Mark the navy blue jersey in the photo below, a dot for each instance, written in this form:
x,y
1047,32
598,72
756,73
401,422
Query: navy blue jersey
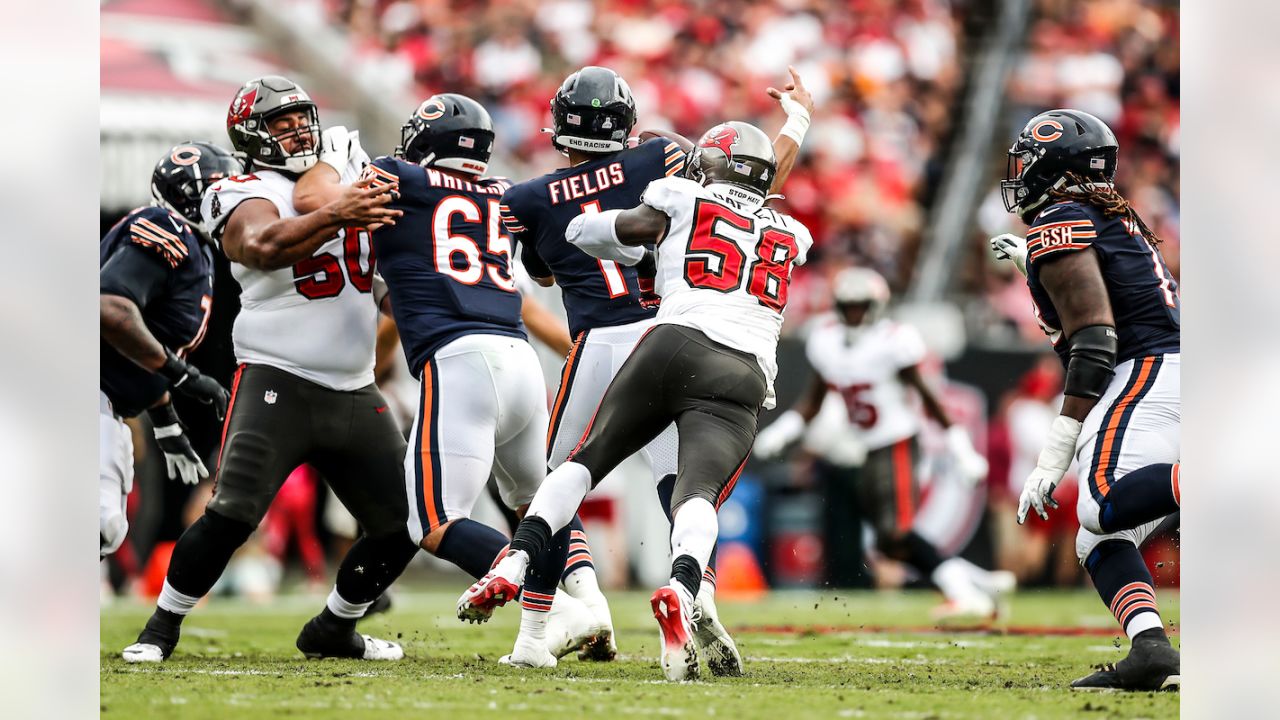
x,y
175,301
1144,295
597,293
447,261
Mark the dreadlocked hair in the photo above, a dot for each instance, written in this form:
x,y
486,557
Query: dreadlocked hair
x,y
1104,197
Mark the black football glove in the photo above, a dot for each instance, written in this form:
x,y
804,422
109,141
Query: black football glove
x,y
187,380
646,271
180,459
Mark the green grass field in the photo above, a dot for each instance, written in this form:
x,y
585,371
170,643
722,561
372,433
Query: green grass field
x,y
860,655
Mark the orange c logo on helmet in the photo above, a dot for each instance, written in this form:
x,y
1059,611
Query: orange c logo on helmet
x,y
185,155
431,109
1054,134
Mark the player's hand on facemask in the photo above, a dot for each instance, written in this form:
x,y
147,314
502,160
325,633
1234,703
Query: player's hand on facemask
x,y
187,380
1008,246
180,460
972,466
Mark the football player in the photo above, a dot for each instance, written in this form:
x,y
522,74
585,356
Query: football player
x,y
304,390
1104,295
155,284
707,363
874,364
482,403
610,305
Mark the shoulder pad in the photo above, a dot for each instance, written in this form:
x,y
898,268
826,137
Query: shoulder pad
x,y
1064,227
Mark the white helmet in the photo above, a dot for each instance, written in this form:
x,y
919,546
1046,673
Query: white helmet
x,y
856,285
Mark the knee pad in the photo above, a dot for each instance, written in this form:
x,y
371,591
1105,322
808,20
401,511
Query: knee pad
x,y
112,528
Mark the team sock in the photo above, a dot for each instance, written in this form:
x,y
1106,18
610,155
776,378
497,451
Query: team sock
x,y
685,573
199,559
539,591
666,489
693,538
1124,584
921,554
471,546
579,564
1146,494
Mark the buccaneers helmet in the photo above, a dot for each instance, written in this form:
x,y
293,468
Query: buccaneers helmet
x,y
736,153
181,176
248,124
1051,145
861,296
449,131
592,112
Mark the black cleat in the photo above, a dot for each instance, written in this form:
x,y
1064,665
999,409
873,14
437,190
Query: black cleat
x,y
1152,664
381,605
155,643
322,639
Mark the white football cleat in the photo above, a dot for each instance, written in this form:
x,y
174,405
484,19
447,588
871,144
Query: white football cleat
x,y
379,649
679,654
976,608
529,654
712,639
571,625
143,652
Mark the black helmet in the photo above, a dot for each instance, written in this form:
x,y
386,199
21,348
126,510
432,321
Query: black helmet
x,y
593,111
255,105
181,176
1051,145
736,153
449,131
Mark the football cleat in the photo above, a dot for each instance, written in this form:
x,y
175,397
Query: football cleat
x,y
974,609
712,639
679,654
529,654
491,591
155,643
571,625
319,639
1152,664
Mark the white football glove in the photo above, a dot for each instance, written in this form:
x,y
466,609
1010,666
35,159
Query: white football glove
x,y
336,144
771,441
971,464
1055,458
1011,247
180,460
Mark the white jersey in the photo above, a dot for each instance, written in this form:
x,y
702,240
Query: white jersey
x,y
725,265
317,319
863,366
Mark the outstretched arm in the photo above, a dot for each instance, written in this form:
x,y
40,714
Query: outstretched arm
x,y
798,104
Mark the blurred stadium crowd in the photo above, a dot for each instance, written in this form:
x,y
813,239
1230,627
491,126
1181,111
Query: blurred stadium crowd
x,y
888,78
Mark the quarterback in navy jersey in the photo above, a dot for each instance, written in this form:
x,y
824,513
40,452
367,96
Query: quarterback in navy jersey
x,y
1103,293
156,291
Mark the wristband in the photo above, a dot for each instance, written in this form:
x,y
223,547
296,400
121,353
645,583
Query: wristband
x,y
797,119
175,369
163,416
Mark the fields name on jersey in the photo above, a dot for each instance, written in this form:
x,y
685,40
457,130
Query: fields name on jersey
x,y
587,183
444,180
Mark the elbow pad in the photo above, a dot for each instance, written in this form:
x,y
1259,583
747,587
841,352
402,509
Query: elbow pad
x,y
1092,360
594,234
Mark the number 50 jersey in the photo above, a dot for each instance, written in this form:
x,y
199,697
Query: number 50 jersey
x,y
725,265
447,260
316,319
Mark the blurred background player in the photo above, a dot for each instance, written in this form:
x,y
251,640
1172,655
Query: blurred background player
x,y
447,264
707,364
874,364
611,305
1103,294
304,391
155,282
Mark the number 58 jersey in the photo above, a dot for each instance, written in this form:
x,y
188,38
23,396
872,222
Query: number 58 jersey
x,y
315,319
724,266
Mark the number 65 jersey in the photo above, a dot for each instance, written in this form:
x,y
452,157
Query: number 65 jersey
x,y
724,266
316,319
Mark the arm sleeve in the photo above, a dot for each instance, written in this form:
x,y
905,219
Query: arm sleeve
x,y
134,273
1059,229
522,234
